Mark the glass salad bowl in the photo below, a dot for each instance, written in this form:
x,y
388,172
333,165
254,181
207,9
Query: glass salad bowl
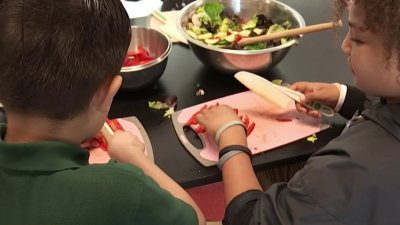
x,y
212,39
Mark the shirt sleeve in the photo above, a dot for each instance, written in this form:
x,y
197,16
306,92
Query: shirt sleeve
x,y
159,207
315,195
342,95
353,102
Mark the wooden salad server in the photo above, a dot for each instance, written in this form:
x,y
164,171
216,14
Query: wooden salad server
x,y
290,33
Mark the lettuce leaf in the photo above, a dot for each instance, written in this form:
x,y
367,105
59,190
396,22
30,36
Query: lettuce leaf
x,y
256,46
214,10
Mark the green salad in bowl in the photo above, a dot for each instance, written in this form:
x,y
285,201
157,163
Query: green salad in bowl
x,y
213,29
214,26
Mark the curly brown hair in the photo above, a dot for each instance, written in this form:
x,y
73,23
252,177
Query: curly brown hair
x,y
383,20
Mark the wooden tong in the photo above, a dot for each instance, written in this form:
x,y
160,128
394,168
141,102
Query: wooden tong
x,y
168,27
290,33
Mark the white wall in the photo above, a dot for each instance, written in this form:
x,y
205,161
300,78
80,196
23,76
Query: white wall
x,y
141,8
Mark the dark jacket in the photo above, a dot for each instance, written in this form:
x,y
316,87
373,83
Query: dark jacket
x,y
354,180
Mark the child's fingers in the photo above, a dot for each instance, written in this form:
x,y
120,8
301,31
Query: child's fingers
x,y
313,113
302,87
300,108
318,96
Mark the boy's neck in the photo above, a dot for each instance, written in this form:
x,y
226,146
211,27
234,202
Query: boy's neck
x,y
34,129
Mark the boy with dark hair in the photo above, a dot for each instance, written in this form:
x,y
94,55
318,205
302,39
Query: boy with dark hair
x,y
59,62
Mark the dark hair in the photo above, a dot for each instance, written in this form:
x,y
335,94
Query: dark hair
x,y
55,55
382,18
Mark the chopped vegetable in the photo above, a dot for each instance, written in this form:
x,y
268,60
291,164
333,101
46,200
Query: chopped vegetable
x,y
192,120
193,123
250,128
251,23
99,140
213,10
169,112
114,124
214,26
246,120
278,28
157,105
277,81
169,104
140,57
284,119
313,138
256,46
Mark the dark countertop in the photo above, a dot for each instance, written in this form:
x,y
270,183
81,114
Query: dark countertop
x,y
317,58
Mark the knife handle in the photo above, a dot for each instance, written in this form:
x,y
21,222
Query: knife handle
x,y
321,108
193,150
297,96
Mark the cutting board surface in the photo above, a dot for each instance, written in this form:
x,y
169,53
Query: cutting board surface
x,y
273,126
129,124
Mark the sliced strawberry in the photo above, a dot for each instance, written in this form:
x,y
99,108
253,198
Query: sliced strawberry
x,y
141,56
201,129
102,141
193,120
250,128
245,120
284,119
114,124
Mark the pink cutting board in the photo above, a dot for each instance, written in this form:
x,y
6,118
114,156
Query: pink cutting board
x,y
130,124
269,132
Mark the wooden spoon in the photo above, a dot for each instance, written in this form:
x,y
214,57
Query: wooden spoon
x,y
289,33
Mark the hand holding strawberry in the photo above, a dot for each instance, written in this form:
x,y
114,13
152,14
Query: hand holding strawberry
x,y
211,118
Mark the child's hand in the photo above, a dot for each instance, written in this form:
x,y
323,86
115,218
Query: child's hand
x,y
327,94
214,117
125,146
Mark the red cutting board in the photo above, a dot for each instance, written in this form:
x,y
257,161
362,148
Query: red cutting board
x,y
269,132
129,124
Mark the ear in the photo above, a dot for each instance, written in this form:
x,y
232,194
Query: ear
x,y
107,93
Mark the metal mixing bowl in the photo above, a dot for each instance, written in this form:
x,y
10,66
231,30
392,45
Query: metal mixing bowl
x,y
229,60
159,46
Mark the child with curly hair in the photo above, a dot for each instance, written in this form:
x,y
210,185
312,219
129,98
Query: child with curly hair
x,y
59,63
353,180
